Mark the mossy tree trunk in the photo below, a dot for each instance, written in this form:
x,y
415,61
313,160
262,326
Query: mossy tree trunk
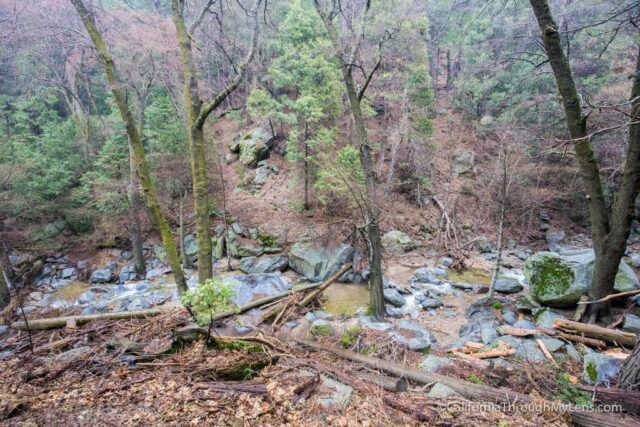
x,y
610,228
137,148
630,373
370,214
197,114
5,296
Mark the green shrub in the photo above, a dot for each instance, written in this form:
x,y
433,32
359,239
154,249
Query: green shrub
x,y
214,296
570,394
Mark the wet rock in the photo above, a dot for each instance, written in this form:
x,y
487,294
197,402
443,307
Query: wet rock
x,y
102,275
508,285
441,391
157,272
431,302
412,335
393,296
393,311
546,317
433,363
631,323
397,242
137,304
86,297
249,287
446,261
318,314
242,329
559,280
600,368
318,263
264,264
444,289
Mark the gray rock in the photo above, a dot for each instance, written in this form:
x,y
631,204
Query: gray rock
x,y
336,395
242,329
393,311
160,253
137,304
261,176
546,317
72,354
554,237
264,264
441,391
82,264
488,333
507,285
238,229
321,327
190,246
128,272
249,249
393,296
291,324
126,255
427,275
68,272
157,272
446,261
560,280
86,297
524,324
483,244
431,302
631,323
509,316
412,335
397,242
634,258
367,323
600,368
433,363
253,146
3,329
552,344
102,275
249,287
318,263
525,349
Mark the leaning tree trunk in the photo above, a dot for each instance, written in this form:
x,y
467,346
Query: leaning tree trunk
x,y
135,205
141,164
609,232
5,295
630,375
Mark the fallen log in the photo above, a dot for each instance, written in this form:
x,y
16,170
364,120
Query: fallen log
x,y
517,332
546,352
471,390
591,342
59,322
278,308
628,399
497,352
593,331
254,388
476,363
383,381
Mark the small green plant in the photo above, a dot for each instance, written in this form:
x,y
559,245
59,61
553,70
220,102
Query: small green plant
x,y
349,336
570,394
592,371
214,296
497,305
474,379
268,240
369,349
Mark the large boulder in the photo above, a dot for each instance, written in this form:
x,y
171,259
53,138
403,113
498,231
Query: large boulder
x,y
190,247
508,285
265,264
160,253
559,280
318,263
463,161
412,336
250,287
397,242
393,297
102,275
601,368
253,146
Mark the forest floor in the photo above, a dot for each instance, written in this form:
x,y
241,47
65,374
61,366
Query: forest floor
x,y
117,377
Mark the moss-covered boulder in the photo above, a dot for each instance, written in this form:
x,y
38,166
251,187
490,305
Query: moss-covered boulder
x,y
397,242
559,280
252,146
317,263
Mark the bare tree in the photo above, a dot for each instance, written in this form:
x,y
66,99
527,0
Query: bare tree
x,y
347,59
610,226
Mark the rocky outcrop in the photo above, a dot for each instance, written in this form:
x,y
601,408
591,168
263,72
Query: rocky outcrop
x,y
317,263
264,264
252,146
559,280
249,287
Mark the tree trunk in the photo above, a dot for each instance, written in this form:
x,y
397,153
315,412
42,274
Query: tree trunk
x,y
449,76
141,164
183,255
201,204
609,233
371,215
306,169
630,374
5,295
134,211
